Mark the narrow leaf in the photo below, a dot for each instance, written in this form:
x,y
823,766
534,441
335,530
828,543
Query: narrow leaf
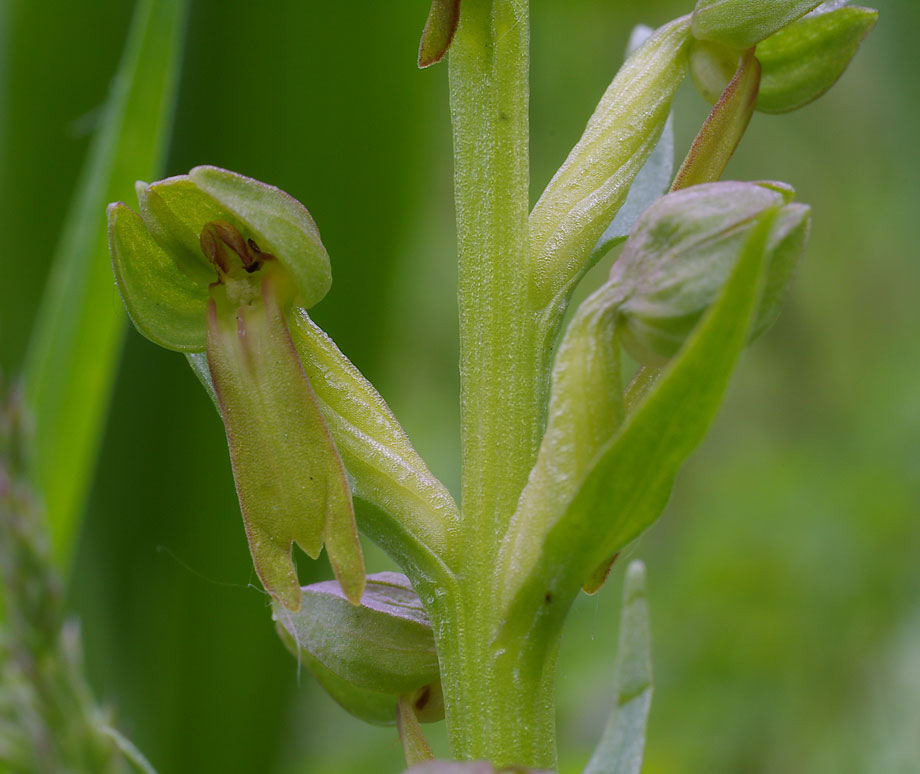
x,y
289,476
744,23
73,353
439,31
622,744
629,482
723,129
803,60
129,750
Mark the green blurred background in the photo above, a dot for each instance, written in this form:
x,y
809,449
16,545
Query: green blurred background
x,y
785,574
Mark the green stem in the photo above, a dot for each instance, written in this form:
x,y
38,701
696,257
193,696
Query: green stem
x,y
494,710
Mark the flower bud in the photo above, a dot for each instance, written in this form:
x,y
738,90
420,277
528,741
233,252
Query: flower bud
x,y
367,656
682,251
798,63
803,60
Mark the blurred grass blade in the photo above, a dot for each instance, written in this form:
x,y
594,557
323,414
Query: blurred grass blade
x,y
129,750
73,354
623,741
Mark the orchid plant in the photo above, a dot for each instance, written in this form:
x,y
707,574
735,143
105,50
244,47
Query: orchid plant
x,y
575,418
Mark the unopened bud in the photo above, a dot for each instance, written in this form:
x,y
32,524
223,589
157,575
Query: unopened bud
x,y
684,248
367,656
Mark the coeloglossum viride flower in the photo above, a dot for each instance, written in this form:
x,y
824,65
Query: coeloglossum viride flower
x,y
216,262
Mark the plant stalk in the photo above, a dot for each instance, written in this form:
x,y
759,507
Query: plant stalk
x,y
495,709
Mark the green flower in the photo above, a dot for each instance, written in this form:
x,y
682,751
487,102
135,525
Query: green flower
x,y
216,262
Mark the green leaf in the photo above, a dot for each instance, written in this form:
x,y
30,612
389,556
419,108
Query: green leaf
x,y
443,19
289,477
384,645
622,744
629,480
129,750
744,23
583,197
74,350
803,60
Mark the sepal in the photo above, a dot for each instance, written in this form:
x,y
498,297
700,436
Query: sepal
x,y
165,305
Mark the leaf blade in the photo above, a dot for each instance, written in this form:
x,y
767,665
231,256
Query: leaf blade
x,y
73,352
